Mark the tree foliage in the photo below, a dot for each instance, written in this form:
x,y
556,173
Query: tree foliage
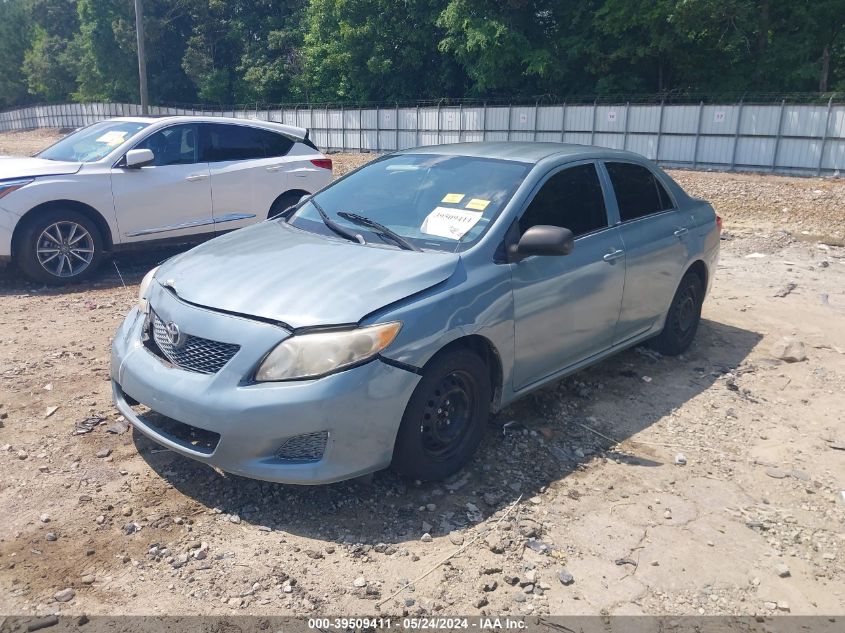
x,y
241,51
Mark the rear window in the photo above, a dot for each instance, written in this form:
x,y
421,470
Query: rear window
x,y
241,142
638,192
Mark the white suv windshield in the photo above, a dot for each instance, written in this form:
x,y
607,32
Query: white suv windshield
x,y
93,142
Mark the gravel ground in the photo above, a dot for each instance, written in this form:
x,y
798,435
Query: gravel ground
x,y
711,483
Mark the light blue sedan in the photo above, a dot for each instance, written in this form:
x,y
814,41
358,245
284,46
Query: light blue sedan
x,y
379,322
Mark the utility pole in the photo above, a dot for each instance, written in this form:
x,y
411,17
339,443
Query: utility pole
x,y
142,61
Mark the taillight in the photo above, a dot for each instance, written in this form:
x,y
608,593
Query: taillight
x,y
719,223
322,163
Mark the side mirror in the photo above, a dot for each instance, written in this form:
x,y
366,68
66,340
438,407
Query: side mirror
x,y
542,239
136,158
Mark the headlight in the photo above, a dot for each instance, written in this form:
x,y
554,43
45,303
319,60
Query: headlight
x,y
9,186
143,304
321,353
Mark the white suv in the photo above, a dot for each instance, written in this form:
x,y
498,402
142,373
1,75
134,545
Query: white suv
x,y
127,181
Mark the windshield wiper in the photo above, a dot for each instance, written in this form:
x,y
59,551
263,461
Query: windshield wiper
x,y
378,228
334,226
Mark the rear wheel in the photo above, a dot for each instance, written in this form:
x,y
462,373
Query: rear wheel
x,y
683,317
59,246
445,417
284,202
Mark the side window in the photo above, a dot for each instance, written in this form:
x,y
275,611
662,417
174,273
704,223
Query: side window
x,y
638,192
176,145
276,144
571,199
232,142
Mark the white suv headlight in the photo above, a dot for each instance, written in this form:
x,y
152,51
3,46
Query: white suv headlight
x,y
143,304
321,353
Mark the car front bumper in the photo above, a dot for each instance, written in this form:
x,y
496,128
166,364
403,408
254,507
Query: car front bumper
x,y
359,409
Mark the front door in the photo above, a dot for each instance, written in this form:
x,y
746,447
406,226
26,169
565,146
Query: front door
x,y
171,197
566,307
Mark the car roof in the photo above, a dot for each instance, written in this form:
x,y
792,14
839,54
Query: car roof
x,y
290,130
523,152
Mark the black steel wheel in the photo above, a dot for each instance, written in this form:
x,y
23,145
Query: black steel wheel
x,y
683,317
445,417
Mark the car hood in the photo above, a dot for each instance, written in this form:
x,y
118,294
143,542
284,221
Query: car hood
x,y
276,272
17,167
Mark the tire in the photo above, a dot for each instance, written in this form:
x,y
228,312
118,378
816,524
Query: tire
x,y
682,319
434,442
283,202
59,246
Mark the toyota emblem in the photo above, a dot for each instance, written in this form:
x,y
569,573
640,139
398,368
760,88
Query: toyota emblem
x,y
174,335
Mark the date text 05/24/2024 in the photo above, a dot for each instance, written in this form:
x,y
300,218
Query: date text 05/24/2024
x,y
431,624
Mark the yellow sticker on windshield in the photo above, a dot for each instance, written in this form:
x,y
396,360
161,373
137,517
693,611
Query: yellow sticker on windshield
x,y
478,204
112,138
454,198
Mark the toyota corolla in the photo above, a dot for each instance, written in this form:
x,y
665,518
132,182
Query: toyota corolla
x,y
380,321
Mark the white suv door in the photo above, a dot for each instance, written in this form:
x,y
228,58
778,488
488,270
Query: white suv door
x,y
239,174
171,197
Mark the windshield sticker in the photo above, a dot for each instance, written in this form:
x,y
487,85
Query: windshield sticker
x,y
478,204
452,224
453,198
112,138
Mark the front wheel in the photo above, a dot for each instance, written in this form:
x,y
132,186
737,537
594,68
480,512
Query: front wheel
x,y
683,317
445,417
59,247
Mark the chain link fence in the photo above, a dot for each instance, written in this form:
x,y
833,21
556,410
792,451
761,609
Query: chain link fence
x,y
800,137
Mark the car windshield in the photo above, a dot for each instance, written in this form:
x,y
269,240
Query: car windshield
x,y
434,202
93,142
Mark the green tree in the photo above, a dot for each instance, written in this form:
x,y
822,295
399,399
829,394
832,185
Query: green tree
x,y
105,51
15,33
48,63
271,60
376,50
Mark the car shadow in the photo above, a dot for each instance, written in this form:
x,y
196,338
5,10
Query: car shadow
x,y
538,441
124,268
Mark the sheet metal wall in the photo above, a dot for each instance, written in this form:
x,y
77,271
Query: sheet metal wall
x,y
782,138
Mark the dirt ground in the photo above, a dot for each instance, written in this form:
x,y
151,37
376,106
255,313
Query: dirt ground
x,y
712,483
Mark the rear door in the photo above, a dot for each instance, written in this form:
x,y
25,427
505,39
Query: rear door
x,y
566,308
248,171
170,197
655,236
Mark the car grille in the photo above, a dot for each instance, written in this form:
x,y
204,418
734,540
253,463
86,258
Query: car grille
x,y
197,354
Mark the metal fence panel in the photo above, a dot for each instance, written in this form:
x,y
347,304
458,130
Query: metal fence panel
x,y
714,150
836,127
645,144
755,152
834,157
677,150
682,119
782,138
578,118
760,120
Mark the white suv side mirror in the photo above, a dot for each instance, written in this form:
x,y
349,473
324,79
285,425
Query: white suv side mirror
x,y
139,157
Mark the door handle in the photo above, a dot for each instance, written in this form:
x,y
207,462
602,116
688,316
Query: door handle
x,y
196,177
681,232
613,256
274,168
